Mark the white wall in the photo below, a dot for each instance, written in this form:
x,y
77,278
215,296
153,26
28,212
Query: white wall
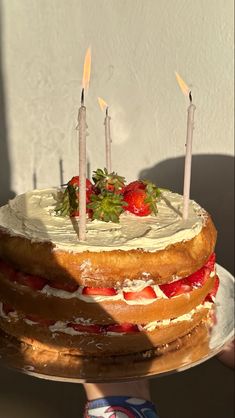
x,y
136,47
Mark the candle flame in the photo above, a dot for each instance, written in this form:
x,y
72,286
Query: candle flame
x,y
86,70
102,103
185,89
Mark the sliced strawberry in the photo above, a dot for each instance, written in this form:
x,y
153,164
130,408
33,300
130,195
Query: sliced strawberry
x,y
7,308
93,328
211,296
125,328
210,264
40,321
99,291
135,185
34,282
198,278
68,287
175,288
146,293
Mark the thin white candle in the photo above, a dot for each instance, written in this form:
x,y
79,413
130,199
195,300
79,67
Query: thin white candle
x,y
188,159
107,141
82,170
107,133
189,140
82,128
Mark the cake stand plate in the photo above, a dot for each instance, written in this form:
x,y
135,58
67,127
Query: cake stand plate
x,y
185,353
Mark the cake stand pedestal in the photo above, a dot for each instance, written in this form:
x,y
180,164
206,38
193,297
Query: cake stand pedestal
x,y
199,346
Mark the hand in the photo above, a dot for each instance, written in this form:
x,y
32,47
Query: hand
x,y
137,389
226,356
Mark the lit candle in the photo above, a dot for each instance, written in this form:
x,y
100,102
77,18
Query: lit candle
x,y
189,140
82,128
108,140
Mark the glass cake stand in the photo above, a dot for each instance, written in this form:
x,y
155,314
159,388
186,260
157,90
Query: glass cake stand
x,y
194,349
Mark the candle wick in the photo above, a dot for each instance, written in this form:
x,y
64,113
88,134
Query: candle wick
x,y
82,97
190,97
107,111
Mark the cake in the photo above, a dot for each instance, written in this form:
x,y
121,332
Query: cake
x,y
142,279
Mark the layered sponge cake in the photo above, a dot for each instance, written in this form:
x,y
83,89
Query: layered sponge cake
x,y
143,277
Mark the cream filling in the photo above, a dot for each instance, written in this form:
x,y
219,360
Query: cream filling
x,y
62,326
31,215
151,326
129,286
63,294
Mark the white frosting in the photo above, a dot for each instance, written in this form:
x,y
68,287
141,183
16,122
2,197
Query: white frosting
x,y
32,215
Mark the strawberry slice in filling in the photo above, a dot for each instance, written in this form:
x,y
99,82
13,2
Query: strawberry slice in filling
x,y
175,288
99,291
34,282
122,328
146,293
185,285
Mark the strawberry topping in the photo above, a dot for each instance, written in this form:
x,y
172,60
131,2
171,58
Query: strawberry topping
x,y
135,185
136,203
146,293
75,182
108,182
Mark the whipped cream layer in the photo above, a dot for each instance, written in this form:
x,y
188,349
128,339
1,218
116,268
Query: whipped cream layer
x,y
63,326
32,215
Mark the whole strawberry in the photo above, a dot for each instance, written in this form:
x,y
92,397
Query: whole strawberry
x,y
75,183
135,185
108,182
68,203
142,202
107,206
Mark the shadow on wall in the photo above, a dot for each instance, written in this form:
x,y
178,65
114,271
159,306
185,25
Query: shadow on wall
x,y
212,186
5,172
